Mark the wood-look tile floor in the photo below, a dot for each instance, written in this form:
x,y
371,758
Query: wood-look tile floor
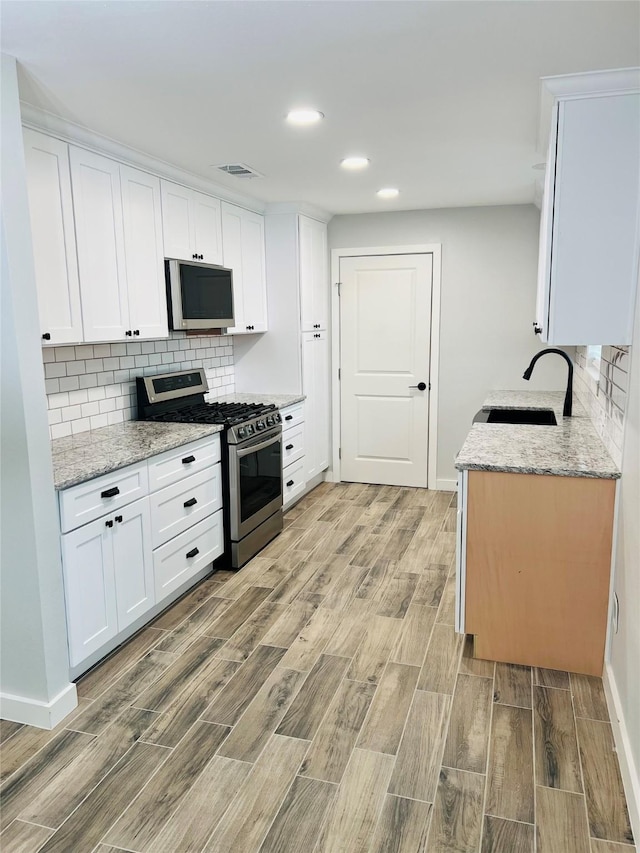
x,y
319,701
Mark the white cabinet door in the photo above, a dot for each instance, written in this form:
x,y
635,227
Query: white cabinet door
x,y
244,252
54,242
311,425
314,284
208,228
89,587
97,205
144,253
133,562
232,258
178,226
321,400
254,283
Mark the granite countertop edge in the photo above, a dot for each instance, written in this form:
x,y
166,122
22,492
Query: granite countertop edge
x,y
85,456
281,401
573,448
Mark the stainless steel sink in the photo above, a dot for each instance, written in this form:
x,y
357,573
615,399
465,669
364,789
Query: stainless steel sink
x,y
544,417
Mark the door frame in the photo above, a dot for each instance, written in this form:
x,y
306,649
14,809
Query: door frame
x,y
435,250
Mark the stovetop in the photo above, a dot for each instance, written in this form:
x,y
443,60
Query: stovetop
x,y
227,414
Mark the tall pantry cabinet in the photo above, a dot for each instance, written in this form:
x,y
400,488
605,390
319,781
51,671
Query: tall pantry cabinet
x,y
293,357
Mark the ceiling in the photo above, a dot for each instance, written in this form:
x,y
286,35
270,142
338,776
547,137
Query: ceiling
x,y
441,96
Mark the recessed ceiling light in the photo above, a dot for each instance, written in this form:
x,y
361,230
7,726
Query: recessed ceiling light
x,y
304,116
355,162
388,192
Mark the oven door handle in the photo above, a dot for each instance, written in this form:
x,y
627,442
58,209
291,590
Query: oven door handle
x,y
246,451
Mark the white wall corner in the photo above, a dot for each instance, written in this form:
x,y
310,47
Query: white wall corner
x,y
43,715
630,773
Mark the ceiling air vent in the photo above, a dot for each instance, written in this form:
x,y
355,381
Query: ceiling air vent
x,y
239,170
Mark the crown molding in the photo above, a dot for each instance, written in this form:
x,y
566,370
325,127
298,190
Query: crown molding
x,y
588,84
301,207
67,131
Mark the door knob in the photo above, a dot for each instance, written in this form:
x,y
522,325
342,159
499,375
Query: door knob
x,y
421,386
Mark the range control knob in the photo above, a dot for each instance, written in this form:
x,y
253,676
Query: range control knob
x,y
250,429
241,432
270,420
278,418
260,425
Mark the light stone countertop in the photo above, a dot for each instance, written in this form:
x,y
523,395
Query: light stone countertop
x,y
570,449
280,400
81,457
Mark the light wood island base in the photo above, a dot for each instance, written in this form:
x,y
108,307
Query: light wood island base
x,y
538,561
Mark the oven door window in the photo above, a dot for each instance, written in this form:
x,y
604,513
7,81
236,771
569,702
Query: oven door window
x,y
260,479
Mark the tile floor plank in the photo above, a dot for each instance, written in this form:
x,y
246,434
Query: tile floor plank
x,y
467,743
352,818
169,727
230,704
177,676
431,586
333,743
22,837
598,846
305,714
403,826
419,757
300,817
588,697
438,674
447,608
70,785
397,596
262,717
384,725
251,632
147,815
371,658
285,631
180,638
237,613
507,836
510,792
551,678
98,679
345,589
606,805
202,807
475,666
418,555
456,823
260,796
513,685
557,764
310,644
33,776
188,604
326,575
350,630
104,805
7,729
411,646
561,822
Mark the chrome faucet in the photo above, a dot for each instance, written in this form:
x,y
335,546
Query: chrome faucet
x,y
568,397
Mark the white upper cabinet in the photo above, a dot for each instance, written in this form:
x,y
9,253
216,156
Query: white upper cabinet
x,y
314,282
315,385
589,226
54,243
97,206
191,224
244,252
142,220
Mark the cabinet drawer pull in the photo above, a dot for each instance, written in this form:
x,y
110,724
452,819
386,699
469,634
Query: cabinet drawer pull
x,y
193,553
190,502
110,493
188,459
290,483
289,447
288,417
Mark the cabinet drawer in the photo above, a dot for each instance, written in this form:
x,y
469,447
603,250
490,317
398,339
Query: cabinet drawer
x,y
167,468
292,415
292,444
178,507
88,501
172,564
292,481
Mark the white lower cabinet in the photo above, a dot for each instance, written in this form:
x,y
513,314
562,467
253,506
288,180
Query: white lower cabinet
x,y
183,556
293,453
129,544
315,384
293,482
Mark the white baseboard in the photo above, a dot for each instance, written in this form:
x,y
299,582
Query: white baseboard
x,y
43,715
628,769
446,485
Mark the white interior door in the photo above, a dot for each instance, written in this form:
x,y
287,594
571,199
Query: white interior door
x,y
385,328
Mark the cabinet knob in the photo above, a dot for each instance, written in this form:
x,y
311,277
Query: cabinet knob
x,y
195,257
128,333
108,523
46,336
136,331
119,519
537,330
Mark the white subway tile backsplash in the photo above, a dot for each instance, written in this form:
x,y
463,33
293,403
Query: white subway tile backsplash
x,y
93,385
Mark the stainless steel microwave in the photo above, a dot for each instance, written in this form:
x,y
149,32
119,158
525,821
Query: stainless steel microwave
x,y
199,296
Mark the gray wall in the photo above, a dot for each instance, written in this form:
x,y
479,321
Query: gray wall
x,y
625,648
489,269
34,664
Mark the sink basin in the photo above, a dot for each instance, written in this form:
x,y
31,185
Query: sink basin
x,y
545,417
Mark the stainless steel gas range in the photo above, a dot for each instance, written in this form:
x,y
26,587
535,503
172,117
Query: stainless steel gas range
x,y
251,454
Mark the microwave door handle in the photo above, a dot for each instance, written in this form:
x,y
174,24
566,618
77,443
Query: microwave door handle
x,y
246,451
